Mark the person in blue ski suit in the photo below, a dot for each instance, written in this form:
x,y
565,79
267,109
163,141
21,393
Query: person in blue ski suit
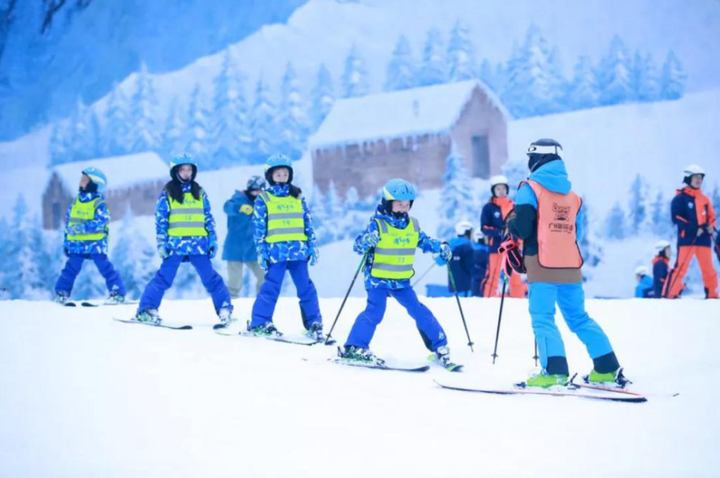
x,y
239,249
462,264
86,237
185,232
398,197
661,267
481,257
644,288
285,241
561,286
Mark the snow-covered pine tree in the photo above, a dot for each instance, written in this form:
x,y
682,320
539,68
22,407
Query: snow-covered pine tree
x,y
318,207
461,54
134,257
114,138
582,92
457,195
197,136
293,122
59,146
643,78
660,223
354,79
637,206
334,208
615,225
229,134
144,133
589,244
487,74
175,130
323,97
401,71
81,142
262,123
433,69
672,78
614,74
5,271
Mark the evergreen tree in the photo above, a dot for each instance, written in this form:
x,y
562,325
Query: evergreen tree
x,y
615,225
133,257
144,132
614,74
323,97
293,122
81,141
352,198
457,195
637,208
59,146
660,222
591,252
175,130
583,90
673,78
434,67
5,249
335,212
354,79
401,70
263,130
318,206
461,54
230,137
114,139
197,136
488,75
643,79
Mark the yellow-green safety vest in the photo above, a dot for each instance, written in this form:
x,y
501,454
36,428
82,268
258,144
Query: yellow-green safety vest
x,y
395,252
187,219
286,221
81,213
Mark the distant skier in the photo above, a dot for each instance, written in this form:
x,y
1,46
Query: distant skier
x,y
462,262
693,214
185,232
239,249
661,263
86,237
285,241
390,240
548,218
644,288
480,264
492,221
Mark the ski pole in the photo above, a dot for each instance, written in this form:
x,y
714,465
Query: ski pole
x,y
497,332
357,272
536,355
424,274
462,315
674,272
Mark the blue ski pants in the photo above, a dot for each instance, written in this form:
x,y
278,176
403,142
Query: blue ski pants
x,y
264,306
155,290
364,328
73,266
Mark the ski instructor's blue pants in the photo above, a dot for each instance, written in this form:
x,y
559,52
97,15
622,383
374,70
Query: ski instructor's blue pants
x,y
364,328
570,298
264,306
155,290
73,266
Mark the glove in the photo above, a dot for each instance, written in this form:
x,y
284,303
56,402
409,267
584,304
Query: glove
x,y
371,239
314,255
445,252
263,259
67,251
212,247
512,257
163,251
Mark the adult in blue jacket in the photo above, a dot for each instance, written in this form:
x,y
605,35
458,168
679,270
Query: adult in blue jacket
x,y
481,256
239,249
462,262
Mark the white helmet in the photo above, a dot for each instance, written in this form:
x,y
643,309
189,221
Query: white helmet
x,y
499,179
690,171
661,245
641,271
462,227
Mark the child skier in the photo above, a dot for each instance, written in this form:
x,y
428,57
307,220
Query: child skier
x,y
239,249
86,237
390,240
644,288
492,221
285,241
660,267
548,218
185,232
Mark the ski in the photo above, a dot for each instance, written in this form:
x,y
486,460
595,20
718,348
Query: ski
x,y
307,341
385,366
163,326
99,304
614,389
607,395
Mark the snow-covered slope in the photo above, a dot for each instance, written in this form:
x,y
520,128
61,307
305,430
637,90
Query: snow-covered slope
x,y
83,395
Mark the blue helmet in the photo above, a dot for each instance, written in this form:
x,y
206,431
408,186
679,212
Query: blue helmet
x,y
277,161
255,183
97,177
399,190
178,161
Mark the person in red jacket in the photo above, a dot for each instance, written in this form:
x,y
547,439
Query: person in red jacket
x,y
693,214
492,223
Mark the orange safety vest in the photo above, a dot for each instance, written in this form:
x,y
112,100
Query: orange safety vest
x,y
556,228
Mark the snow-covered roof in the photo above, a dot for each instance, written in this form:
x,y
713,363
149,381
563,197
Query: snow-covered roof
x,y
429,109
121,171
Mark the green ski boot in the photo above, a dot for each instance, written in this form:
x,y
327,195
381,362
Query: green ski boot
x,y
544,380
611,379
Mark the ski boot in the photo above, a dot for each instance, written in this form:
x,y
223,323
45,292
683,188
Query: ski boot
x,y
148,316
614,379
544,380
115,298
441,356
228,325
315,332
61,297
352,353
264,330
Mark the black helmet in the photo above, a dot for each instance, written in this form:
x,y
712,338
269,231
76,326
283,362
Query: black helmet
x,y
542,152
